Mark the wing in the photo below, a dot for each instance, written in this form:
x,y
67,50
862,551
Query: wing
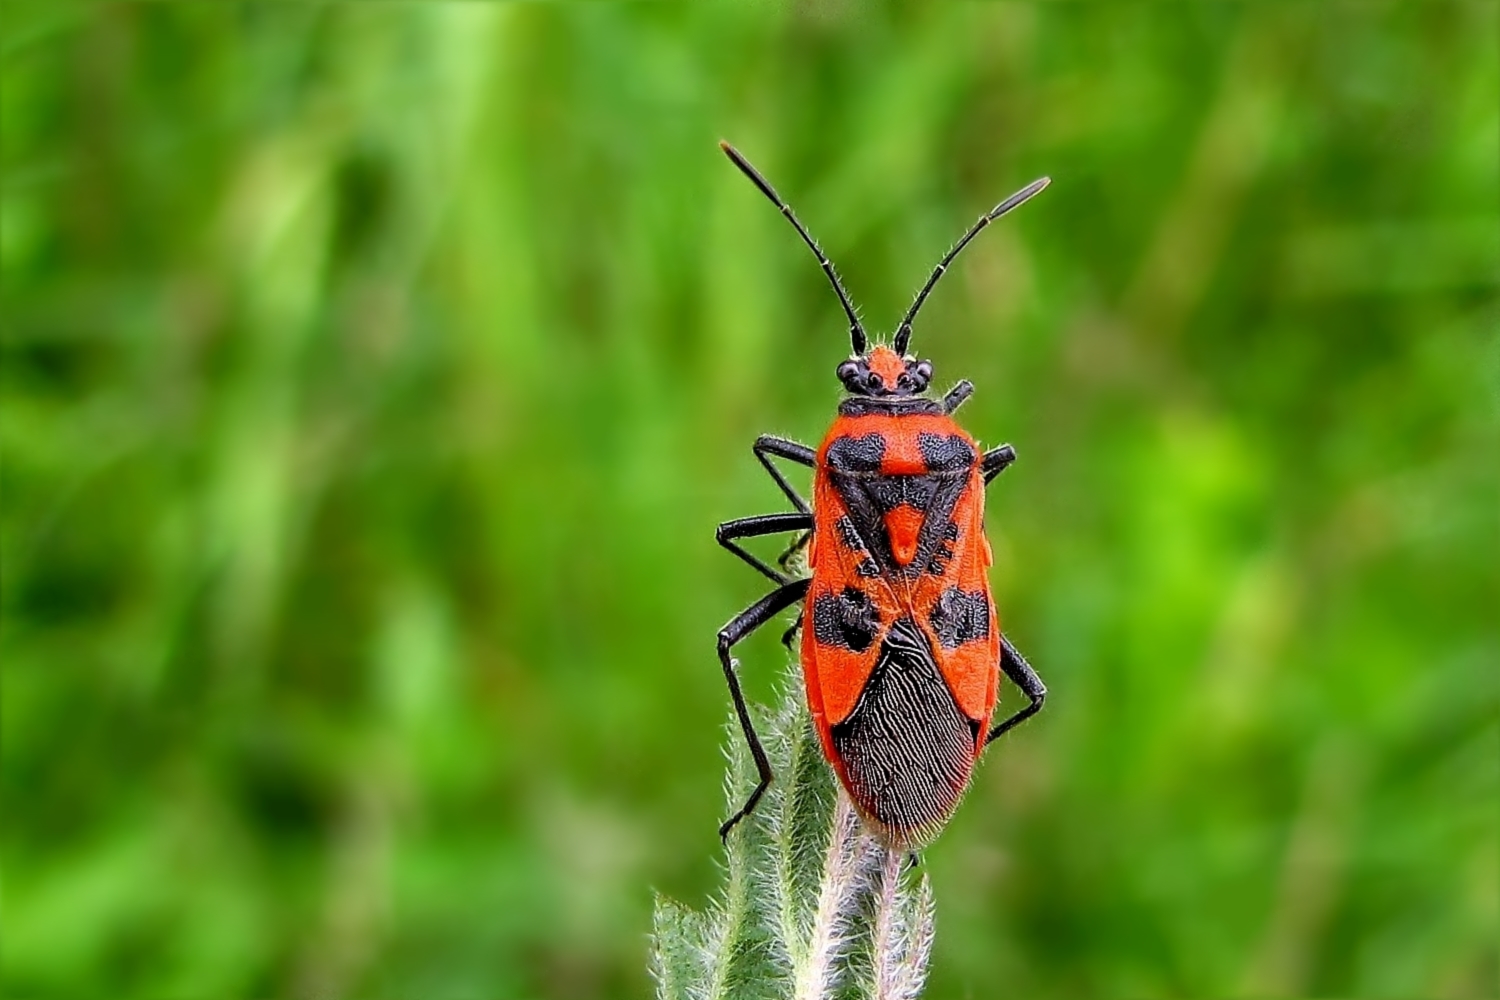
x,y
850,606
954,608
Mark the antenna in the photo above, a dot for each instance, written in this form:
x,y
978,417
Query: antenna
x,y
856,332
903,332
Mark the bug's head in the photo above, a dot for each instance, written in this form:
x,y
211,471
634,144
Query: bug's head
x,y
883,372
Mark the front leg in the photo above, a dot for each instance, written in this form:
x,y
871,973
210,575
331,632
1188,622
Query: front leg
x,y
956,395
995,460
768,445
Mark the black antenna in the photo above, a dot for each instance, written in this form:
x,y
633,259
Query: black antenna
x,y
856,332
903,332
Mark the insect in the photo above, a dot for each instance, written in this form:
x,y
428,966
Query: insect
x,y
901,648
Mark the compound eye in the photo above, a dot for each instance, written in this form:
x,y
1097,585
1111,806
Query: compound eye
x,y
924,371
847,371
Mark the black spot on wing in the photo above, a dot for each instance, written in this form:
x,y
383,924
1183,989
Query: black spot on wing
x,y
946,452
856,454
960,616
848,620
907,749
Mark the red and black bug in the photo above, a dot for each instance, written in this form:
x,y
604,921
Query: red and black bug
x,y
901,646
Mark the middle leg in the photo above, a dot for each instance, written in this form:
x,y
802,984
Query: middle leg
x,y
754,527
768,445
752,618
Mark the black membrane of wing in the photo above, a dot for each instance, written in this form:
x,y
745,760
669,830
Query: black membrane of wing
x,y
907,748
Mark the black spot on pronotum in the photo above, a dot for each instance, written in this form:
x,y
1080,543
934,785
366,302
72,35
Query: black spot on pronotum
x,y
946,453
856,454
960,616
848,620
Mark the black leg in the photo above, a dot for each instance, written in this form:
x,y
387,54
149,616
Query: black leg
x,y
1019,671
761,524
798,544
747,621
957,395
791,633
767,445
995,460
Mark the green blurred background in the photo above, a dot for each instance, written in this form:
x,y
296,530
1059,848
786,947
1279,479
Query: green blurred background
x,y
375,373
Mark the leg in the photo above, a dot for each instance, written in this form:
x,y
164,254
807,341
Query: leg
x,y
798,544
767,445
956,395
1018,670
791,633
995,460
761,524
745,622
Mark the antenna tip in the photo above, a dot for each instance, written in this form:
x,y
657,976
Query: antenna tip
x,y
739,160
1033,189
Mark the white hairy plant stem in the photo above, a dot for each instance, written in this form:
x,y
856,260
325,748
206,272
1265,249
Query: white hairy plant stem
x,y
813,906
736,912
844,876
884,963
900,949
